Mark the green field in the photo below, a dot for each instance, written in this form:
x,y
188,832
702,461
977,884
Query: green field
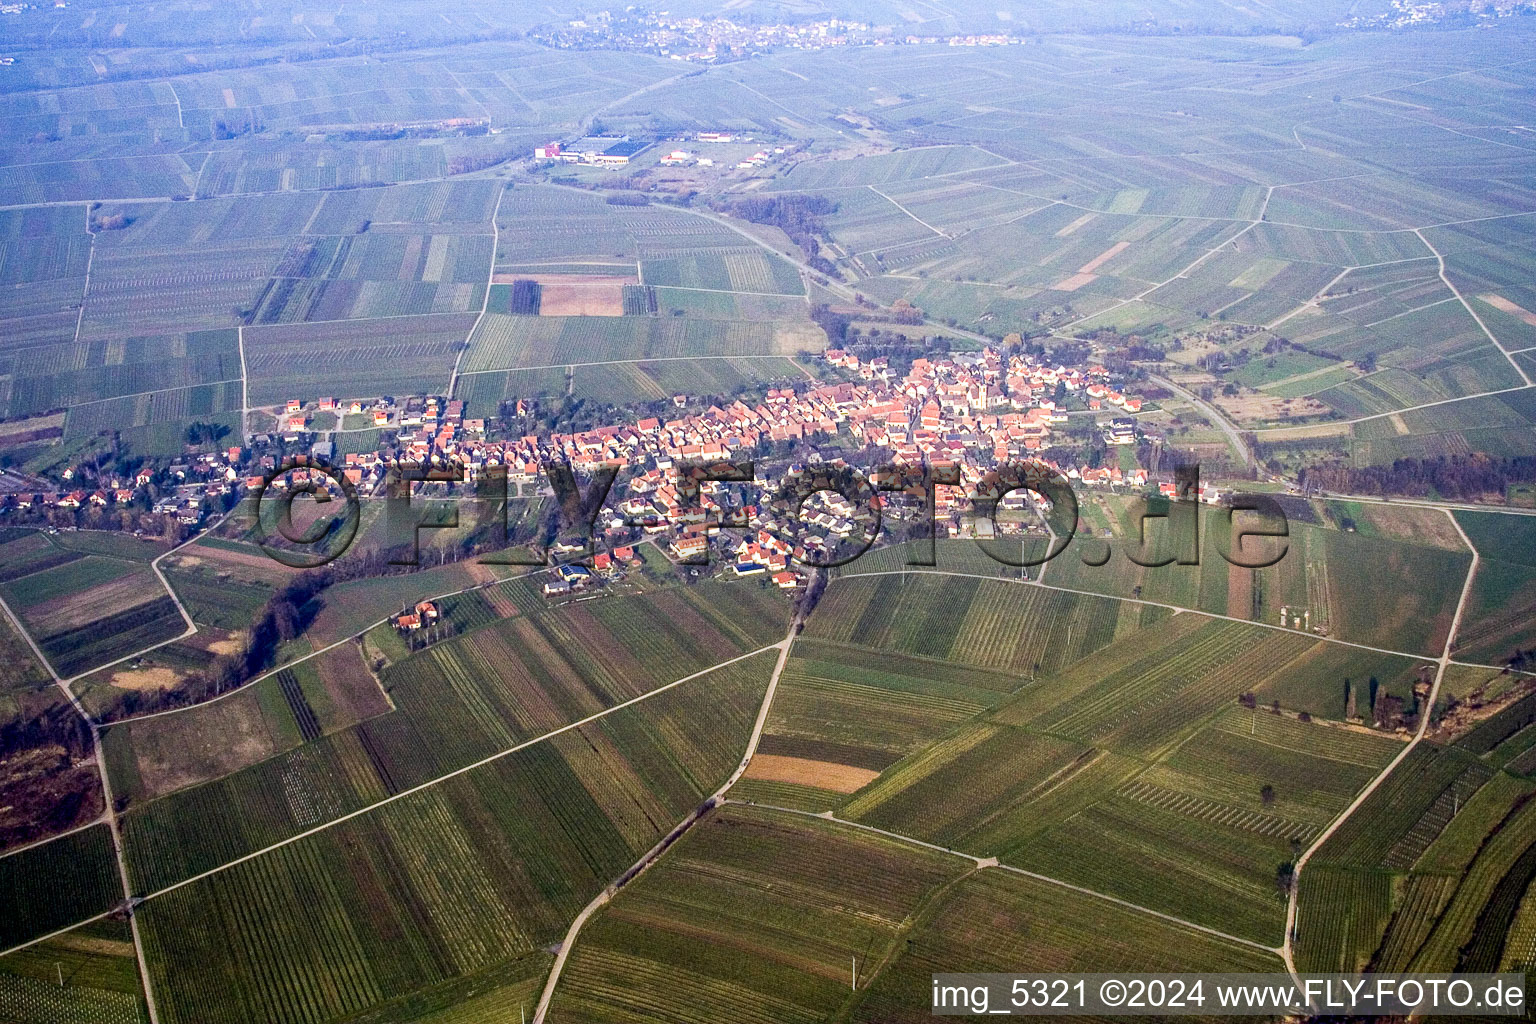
x,y
354,359
458,702
495,860
994,920
92,610
1338,577
100,978
507,342
49,887
1501,613
1115,757
758,915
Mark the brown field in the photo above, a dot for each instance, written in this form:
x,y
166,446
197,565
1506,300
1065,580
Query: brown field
x,y
1239,592
1103,258
247,565
76,610
176,751
1306,433
1412,525
1074,282
500,603
353,688
37,426
828,775
576,294
1256,407
158,677
1070,228
1503,305
582,300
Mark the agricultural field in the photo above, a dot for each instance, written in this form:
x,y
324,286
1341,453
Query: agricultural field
x,y
459,701
919,163
1443,851
99,972
757,914
1125,734
133,684
991,624
354,358
845,713
161,754
1320,580
618,284
1501,615
496,860
376,274
508,342
993,920
43,257
1496,425
49,887
92,610
21,672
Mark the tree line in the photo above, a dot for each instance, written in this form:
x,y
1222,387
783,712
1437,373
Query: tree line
x,y
1463,477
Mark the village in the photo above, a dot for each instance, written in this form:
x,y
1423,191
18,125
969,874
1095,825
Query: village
x,y
970,411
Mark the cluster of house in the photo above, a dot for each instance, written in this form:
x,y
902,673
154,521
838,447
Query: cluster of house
x,y
760,158
425,411
703,40
972,410
424,614
186,489
606,565
682,156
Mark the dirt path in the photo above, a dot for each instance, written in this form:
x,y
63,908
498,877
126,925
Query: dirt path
x,y
602,898
1287,950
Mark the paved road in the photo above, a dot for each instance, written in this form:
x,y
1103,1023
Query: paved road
x,y
1211,413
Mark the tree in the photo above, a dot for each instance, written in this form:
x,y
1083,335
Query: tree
x,y
1267,795
1285,877
285,619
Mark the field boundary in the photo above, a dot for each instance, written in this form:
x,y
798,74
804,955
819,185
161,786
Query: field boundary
x,y
1288,948
1175,608
982,863
654,853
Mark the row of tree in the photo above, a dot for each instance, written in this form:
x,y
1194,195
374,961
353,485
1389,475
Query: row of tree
x,y
1456,477
798,216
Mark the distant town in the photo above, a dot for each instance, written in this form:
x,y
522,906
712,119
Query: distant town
x,y
711,40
